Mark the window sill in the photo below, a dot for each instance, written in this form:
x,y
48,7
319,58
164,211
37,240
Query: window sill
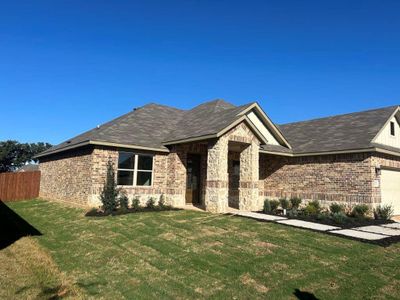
x,y
135,186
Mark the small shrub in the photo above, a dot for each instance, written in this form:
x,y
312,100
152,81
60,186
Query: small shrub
x,y
313,208
292,213
360,211
336,208
322,216
274,205
109,194
267,206
123,201
340,217
284,203
151,203
295,202
136,203
92,212
161,202
384,212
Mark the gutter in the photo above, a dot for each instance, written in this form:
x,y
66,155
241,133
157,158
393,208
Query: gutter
x,y
372,149
98,143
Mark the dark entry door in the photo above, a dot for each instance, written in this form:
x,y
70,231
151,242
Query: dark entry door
x,y
193,179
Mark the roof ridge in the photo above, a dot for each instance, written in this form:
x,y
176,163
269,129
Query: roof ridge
x,y
340,115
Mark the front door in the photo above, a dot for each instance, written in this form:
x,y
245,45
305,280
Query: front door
x,y
193,179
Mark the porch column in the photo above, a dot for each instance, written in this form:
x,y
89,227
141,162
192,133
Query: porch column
x,y
249,176
216,196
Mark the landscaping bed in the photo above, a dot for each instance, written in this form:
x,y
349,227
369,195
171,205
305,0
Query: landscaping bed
x,y
336,215
122,211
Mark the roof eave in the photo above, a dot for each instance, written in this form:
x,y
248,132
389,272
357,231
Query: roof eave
x,y
101,143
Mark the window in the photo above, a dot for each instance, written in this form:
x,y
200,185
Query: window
x,y
392,131
135,169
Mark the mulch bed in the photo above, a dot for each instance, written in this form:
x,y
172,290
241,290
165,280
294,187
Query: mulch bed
x,y
118,212
351,221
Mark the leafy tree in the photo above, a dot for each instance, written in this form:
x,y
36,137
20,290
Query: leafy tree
x,y
14,154
110,192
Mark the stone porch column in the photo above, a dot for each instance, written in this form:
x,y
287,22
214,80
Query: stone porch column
x,y
216,196
249,177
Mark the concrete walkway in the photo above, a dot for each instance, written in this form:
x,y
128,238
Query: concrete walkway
x,y
371,233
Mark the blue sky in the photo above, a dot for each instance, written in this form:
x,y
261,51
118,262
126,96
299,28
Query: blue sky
x,y
66,66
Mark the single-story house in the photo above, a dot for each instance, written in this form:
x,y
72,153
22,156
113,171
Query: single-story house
x,y
218,155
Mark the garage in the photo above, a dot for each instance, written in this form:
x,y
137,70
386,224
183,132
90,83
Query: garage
x,y
390,187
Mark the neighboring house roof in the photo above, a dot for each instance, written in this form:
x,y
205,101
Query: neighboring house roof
x,y
337,133
154,126
29,168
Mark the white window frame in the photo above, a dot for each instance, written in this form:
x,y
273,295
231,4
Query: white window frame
x,y
135,169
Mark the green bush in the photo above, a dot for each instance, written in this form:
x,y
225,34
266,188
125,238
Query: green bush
x,y
109,194
123,201
360,210
136,203
295,202
336,208
384,212
151,203
267,206
274,205
161,202
340,217
312,208
284,203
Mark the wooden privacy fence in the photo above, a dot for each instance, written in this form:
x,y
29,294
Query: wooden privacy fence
x,y
19,186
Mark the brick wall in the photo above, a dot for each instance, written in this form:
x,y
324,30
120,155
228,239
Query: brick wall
x,y
338,178
67,176
100,157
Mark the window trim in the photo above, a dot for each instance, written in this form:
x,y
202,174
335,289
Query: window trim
x,y
392,129
135,169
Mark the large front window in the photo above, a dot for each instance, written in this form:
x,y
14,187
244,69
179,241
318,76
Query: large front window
x,y
135,169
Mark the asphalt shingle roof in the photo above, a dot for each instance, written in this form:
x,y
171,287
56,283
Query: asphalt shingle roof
x,y
342,132
153,125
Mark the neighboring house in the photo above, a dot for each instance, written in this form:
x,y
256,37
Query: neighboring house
x,y
28,168
218,155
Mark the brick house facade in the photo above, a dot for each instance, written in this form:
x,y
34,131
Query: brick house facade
x,y
238,166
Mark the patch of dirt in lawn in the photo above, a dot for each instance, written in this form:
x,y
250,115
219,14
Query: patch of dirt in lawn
x,y
211,231
264,247
247,280
279,266
169,236
213,244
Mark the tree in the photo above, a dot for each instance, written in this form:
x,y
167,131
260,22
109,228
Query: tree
x,y
14,154
109,194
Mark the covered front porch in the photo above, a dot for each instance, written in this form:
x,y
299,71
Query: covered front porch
x,y
217,175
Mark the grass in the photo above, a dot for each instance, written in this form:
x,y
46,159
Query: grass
x,y
189,254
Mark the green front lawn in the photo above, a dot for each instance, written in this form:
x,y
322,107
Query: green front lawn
x,y
188,254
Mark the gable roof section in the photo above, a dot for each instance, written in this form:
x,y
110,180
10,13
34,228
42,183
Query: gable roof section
x,y
144,127
153,127
337,133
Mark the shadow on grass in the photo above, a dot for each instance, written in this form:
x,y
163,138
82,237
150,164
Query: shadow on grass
x,y
13,227
304,295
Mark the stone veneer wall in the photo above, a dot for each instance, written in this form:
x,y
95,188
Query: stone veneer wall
x,y
67,176
346,178
216,197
